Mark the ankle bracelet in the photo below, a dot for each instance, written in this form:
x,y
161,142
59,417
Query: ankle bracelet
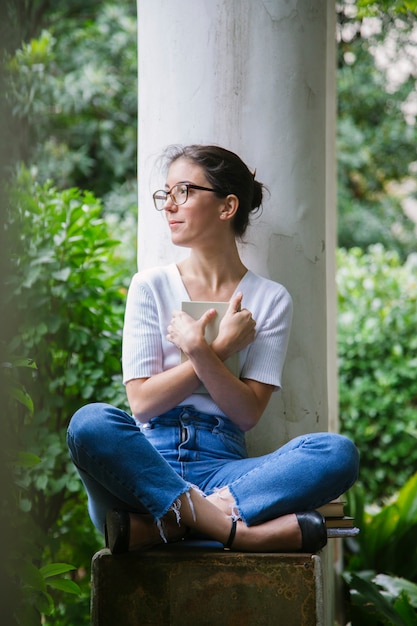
x,y
229,542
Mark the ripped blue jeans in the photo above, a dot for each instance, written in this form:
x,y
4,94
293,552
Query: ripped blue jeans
x,y
147,468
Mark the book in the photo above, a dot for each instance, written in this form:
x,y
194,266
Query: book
x,y
196,309
339,522
333,533
335,508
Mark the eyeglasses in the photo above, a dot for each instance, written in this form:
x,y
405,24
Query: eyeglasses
x,y
178,194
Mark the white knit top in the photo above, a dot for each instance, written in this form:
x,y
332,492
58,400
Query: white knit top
x,y
155,293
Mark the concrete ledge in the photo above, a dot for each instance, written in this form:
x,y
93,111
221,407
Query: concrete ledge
x,y
200,584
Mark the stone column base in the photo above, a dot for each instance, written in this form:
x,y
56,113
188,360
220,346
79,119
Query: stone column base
x,y
199,583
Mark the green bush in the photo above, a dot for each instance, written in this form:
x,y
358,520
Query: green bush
x,y
73,90
388,536
64,299
28,583
375,138
378,363
381,568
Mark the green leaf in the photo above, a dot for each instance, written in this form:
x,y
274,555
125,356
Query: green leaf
x,y
63,584
376,601
27,459
54,569
21,395
41,482
405,610
19,362
63,274
396,586
407,500
25,505
44,603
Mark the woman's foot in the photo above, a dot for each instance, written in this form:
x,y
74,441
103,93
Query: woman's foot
x,y
301,532
290,533
282,534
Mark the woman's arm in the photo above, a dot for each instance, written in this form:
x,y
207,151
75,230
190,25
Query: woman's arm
x,y
159,393
243,401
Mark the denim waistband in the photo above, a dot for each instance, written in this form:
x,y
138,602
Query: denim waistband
x,y
181,415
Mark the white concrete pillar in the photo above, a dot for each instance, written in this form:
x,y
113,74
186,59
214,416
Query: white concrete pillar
x,y
257,77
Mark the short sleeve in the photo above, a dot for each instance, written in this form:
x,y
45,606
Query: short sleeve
x,y
142,354
265,358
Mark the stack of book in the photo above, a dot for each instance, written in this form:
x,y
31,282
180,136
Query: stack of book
x,y
338,524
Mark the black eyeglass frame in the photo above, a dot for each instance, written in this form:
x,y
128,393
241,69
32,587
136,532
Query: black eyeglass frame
x,y
168,193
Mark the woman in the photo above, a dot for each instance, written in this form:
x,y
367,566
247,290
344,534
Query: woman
x,y
180,462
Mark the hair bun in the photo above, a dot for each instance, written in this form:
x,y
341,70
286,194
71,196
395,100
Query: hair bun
x,y
257,195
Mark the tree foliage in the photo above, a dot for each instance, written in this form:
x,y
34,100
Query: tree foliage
x,y
377,131
63,298
379,571
377,346
406,9
73,93
69,87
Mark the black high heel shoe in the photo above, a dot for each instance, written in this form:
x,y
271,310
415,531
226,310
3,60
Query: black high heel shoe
x,y
117,531
313,531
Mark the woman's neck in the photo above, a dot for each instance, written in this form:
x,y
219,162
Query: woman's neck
x,y
212,277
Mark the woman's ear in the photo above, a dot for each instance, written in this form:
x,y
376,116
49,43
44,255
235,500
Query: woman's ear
x,y
230,206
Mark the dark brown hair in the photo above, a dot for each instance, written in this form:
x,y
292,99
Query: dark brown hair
x,y
227,174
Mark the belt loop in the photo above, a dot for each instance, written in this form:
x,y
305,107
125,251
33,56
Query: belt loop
x,y
184,413
220,423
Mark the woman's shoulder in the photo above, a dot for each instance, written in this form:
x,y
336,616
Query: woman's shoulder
x,y
266,298
154,277
262,285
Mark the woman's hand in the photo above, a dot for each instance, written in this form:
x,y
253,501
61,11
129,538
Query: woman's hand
x,y
236,330
242,400
186,332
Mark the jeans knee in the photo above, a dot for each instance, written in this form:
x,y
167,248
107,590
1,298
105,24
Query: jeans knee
x,y
86,419
347,459
92,425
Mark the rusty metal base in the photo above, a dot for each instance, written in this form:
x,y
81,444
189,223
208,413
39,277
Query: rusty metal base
x,y
200,584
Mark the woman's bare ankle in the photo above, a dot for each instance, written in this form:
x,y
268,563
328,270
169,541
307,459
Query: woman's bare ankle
x,y
282,534
224,501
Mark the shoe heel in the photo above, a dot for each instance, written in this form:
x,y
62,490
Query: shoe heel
x,y
117,531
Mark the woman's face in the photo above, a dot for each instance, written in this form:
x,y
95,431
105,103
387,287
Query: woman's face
x,y
198,221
